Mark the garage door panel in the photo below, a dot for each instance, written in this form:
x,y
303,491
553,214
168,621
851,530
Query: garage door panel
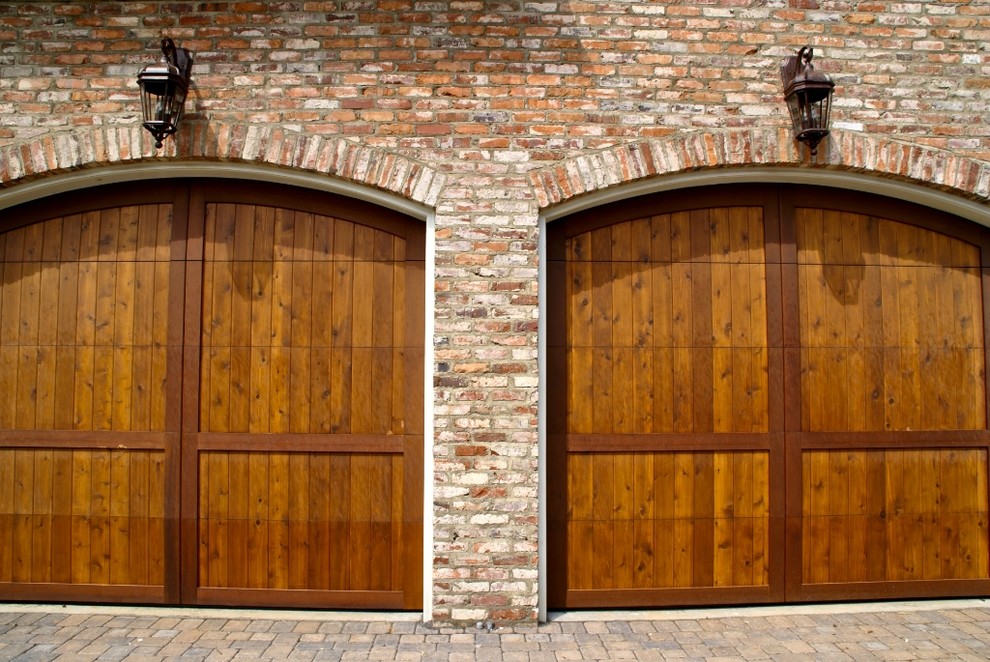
x,y
665,520
353,388
82,516
891,323
903,301
316,521
77,371
679,307
622,389
894,515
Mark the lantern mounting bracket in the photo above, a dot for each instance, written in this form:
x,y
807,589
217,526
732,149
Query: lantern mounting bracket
x,y
178,56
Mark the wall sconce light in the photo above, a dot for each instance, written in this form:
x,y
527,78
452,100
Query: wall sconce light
x,y
809,98
163,91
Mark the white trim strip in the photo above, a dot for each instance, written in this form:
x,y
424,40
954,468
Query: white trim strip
x,y
541,418
145,170
973,210
429,276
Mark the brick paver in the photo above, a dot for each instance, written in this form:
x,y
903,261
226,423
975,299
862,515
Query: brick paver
x,y
913,632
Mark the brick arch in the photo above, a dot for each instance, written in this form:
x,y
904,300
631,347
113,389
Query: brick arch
x,y
349,161
772,147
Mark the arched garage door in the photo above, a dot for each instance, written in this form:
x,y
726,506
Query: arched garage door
x,y
766,393
210,393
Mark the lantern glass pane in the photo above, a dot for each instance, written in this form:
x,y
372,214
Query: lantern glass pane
x,y
148,101
812,115
794,107
824,110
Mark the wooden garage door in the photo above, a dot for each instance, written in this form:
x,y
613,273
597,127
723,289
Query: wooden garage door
x,y
755,400
226,407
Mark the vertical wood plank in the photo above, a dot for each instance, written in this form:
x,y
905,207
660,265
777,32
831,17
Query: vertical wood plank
x,y
156,518
120,518
299,521
340,557
139,503
603,500
100,550
238,507
683,514
61,538
278,514
259,513
580,490
319,522
723,504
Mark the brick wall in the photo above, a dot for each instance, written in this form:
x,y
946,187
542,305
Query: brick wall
x,y
488,111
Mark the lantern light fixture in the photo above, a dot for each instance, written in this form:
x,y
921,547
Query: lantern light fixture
x,y
809,98
164,86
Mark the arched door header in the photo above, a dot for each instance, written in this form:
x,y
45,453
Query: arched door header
x,y
268,153
149,170
929,177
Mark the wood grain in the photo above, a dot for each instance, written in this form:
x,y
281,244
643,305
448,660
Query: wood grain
x,y
627,314
664,520
894,515
80,516
900,322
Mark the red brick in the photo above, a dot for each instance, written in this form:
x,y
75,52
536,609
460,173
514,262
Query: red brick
x,y
488,115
